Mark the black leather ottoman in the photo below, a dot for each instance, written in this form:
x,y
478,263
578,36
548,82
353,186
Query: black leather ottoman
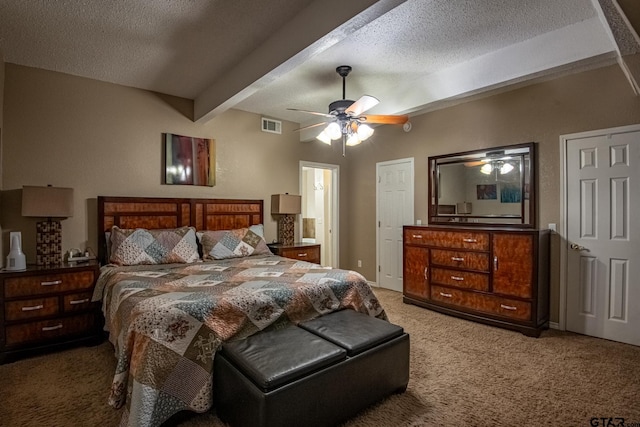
x,y
319,374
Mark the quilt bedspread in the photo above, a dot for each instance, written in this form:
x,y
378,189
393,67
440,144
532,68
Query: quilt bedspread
x,y
167,321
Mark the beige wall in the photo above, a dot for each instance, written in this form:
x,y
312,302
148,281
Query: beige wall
x,y
104,139
591,100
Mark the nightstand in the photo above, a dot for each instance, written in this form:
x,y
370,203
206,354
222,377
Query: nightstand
x,y
300,250
47,307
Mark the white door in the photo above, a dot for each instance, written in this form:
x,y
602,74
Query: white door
x,y
394,209
603,234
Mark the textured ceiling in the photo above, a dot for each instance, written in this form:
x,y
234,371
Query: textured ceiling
x,y
266,56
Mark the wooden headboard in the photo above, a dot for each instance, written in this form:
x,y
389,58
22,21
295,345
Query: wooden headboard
x,y
155,212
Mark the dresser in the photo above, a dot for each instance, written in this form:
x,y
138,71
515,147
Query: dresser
x,y
491,275
43,308
300,250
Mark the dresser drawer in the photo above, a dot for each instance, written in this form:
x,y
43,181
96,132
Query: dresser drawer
x,y
77,302
472,240
489,304
31,308
47,283
310,254
467,260
460,279
49,329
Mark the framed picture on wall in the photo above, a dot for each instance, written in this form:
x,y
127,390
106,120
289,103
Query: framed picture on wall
x,y
486,192
510,193
189,160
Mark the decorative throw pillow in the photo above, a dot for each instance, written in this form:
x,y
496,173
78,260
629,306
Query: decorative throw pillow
x,y
142,246
233,244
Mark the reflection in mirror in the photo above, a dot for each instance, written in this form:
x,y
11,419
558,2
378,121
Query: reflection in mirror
x,y
491,186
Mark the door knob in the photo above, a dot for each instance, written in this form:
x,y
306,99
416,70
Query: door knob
x,y
577,247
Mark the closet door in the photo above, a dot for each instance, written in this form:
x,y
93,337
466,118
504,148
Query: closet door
x,y
513,264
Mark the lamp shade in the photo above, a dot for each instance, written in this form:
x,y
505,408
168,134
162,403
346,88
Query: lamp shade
x,y
286,204
49,202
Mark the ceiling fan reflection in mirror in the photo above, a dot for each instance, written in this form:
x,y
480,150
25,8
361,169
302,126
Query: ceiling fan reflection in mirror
x,y
347,118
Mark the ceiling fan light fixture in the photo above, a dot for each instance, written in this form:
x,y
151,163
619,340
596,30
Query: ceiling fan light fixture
x,y
324,137
486,168
364,132
506,168
353,139
333,130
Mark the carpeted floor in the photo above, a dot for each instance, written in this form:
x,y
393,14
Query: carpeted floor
x,y
462,373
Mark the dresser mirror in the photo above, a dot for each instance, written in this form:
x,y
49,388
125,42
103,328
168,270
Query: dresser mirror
x,y
492,186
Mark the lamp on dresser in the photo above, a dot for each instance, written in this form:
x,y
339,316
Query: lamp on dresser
x,y
54,204
286,206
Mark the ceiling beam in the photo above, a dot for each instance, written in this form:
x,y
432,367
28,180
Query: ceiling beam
x,y
321,25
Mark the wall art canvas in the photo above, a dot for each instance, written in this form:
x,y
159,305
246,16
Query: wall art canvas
x,y
487,192
189,160
510,193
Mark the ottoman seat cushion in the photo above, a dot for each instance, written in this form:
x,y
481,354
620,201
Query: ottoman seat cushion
x,y
281,356
356,332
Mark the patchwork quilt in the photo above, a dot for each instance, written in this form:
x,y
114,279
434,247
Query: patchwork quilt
x,y
167,321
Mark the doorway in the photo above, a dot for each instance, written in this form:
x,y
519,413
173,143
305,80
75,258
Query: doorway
x,y
319,185
599,259
394,208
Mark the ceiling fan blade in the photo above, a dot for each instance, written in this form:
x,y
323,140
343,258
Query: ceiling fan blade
x,y
475,163
384,119
361,105
309,127
312,112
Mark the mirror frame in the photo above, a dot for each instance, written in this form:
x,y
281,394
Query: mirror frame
x,y
438,218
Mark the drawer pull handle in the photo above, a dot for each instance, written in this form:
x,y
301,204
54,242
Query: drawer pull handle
x,y
508,307
445,295
52,328
426,273
470,240
33,307
417,236
458,278
78,301
302,255
495,263
457,258
51,283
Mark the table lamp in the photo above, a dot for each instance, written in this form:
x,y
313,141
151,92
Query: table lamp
x,y
286,206
52,203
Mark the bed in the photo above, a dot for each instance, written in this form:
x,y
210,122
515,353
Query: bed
x,y
168,309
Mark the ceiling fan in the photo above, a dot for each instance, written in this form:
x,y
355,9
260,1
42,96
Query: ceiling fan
x,y
348,120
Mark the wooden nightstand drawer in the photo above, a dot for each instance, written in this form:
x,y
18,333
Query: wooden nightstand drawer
x,y
310,253
49,329
31,308
44,308
302,251
48,283
77,302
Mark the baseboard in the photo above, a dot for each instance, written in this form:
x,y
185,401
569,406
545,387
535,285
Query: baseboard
x,y
554,325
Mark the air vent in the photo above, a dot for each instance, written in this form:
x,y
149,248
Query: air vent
x,y
270,125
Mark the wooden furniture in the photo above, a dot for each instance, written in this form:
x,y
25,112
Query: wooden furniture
x,y
492,186
303,251
156,212
47,307
492,275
